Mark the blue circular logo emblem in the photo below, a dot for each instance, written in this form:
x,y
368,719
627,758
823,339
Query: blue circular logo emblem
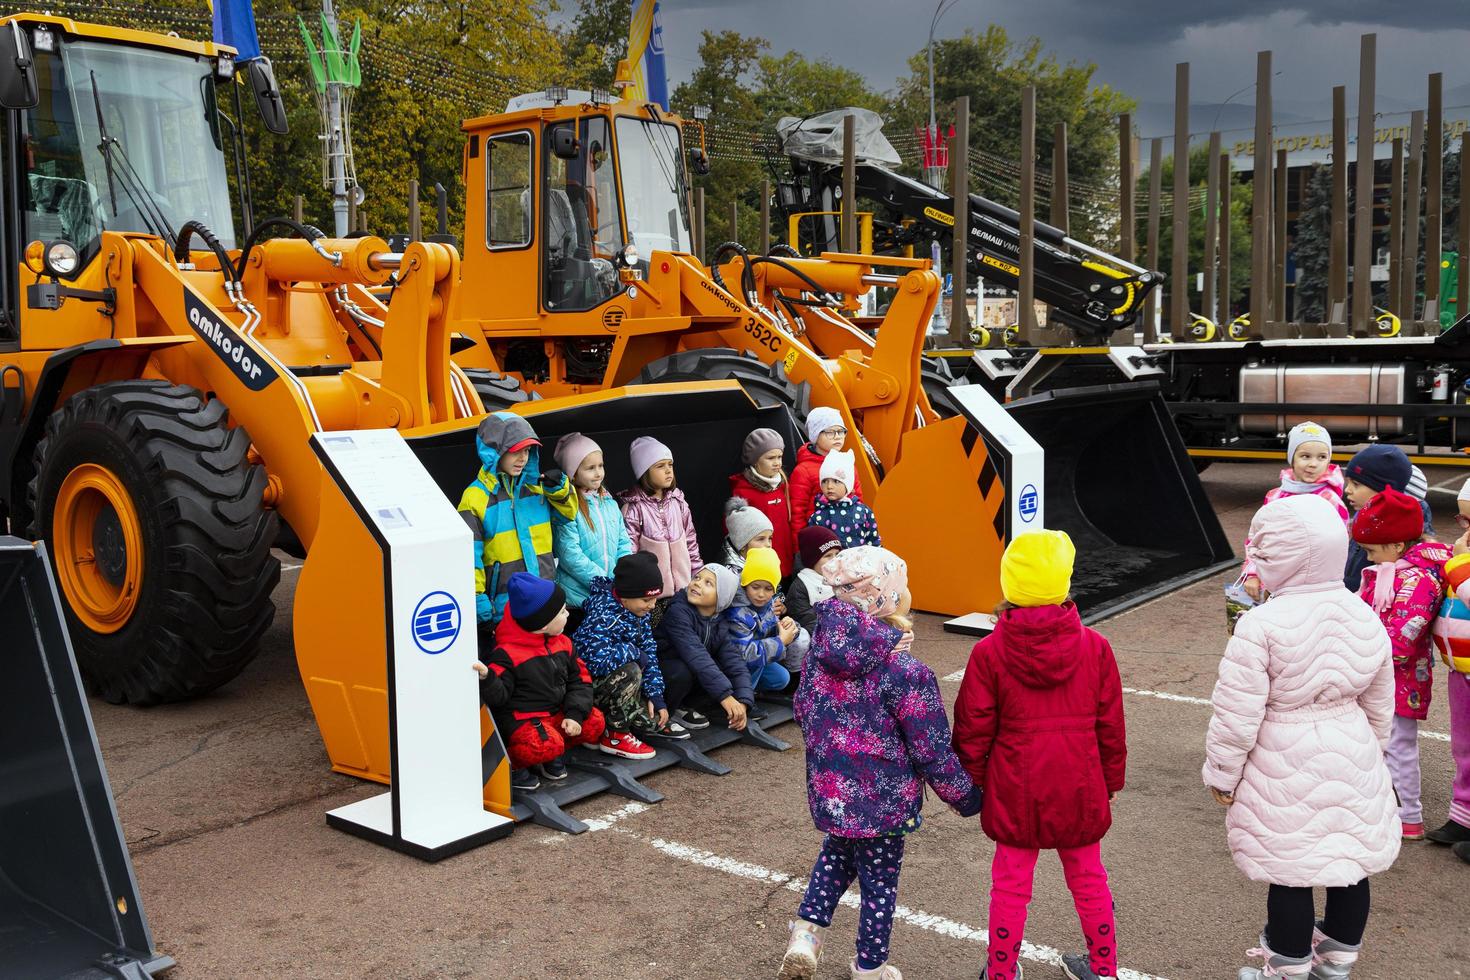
x,y
435,622
1029,503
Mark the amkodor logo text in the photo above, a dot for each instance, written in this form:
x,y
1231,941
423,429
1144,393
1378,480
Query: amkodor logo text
x,y
436,622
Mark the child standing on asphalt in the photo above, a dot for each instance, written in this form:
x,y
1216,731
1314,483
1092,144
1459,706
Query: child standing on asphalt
x,y
657,515
826,432
762,484
836,508
875,733
536,688
1303,709
588,545
508,509
1452,638
616,642
1039,726
1369,473
1403,586
1310,469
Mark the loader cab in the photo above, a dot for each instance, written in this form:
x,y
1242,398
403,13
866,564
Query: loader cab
x,y
577,189
151,100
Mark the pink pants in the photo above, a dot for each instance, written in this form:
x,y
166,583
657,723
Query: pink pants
x,y
1460,747
1010,893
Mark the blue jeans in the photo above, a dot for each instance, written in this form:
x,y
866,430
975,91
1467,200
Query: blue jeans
x,y
771,677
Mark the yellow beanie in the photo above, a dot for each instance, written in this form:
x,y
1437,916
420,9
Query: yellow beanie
x,y
761,565
1036,569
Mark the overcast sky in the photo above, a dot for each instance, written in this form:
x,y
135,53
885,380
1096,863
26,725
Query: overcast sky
x,y
1135,43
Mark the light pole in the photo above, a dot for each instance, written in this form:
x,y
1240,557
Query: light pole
x,y
1221,107
939,11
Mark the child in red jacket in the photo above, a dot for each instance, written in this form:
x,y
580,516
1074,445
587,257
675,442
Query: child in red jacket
x,y
762,484
1039,726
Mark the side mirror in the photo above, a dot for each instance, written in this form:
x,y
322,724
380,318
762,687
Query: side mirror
x,y
18,88
699,160
262,79
564,145
211,110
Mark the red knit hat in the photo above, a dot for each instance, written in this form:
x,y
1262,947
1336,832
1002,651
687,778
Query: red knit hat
x,y
1390,517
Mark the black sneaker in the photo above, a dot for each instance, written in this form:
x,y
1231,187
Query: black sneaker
x,y
756,713
1462,851
1076,966
1450,833
524,780
555,770
673,730
692,720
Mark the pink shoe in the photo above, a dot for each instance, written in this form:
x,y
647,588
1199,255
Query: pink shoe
x,y
1413,831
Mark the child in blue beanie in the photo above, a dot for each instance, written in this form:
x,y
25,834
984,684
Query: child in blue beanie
x,y
1367,475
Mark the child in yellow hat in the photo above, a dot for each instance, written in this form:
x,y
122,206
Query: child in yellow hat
x,y
753,629
1039,727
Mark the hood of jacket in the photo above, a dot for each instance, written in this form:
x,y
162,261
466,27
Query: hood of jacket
x,y
1040,646
496,434
1429,555
849,643
1298,542
638,497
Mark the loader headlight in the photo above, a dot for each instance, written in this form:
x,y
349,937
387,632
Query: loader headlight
x,y
62,259
630,255
225,67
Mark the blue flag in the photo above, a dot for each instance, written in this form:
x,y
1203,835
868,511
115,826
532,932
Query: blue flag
x,y
234,24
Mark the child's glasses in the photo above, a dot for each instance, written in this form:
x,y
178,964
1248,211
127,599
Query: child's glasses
x,y
835,432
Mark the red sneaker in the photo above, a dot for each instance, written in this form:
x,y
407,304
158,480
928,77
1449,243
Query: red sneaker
x,y
627,745
1413,831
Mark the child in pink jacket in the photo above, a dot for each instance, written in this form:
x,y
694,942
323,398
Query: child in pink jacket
x,y
1303,708
1310,469
1452,638
1403,587
658,517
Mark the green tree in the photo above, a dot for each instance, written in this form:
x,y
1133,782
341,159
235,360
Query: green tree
x,y
1240,238
597,41
1313,236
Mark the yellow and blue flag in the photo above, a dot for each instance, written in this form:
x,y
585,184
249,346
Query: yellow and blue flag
x,y
646,54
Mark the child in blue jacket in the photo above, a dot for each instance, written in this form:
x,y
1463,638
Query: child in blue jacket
x,y
616,643
691,650
589,544
753,630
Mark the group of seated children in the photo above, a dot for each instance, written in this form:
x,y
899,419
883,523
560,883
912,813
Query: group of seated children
x,y
607,626
1414,583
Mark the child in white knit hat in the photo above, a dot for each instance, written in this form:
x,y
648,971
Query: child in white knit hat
x,y
838,510
1309,469
658,518
826,433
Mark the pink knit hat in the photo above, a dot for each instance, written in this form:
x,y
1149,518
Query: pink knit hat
x,y
873,579
645,451
572,449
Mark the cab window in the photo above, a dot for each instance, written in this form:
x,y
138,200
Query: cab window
x,y
582,227
508,191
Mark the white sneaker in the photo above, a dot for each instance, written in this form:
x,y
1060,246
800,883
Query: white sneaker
x,y
803,951
885,972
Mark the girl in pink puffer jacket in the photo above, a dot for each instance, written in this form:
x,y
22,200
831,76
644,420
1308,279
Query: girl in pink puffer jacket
x,y
1303,709
658,517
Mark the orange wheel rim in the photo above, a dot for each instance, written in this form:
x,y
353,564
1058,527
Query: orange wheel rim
x,y
98,542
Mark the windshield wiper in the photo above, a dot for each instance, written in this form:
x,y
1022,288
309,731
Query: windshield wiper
x,y
132,184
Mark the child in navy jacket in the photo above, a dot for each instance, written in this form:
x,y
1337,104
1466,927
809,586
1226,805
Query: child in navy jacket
x,y
691,651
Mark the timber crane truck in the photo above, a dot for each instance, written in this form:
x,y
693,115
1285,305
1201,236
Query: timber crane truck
x,y
1092,293
160,377
577,273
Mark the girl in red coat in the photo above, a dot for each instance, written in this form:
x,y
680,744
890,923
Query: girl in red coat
x,y
1039,726
828,433
762,484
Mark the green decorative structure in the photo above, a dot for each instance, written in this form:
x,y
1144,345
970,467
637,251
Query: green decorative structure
x,y
336,73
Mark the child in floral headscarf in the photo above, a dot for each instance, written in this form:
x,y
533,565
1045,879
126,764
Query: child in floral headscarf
x,y
875,733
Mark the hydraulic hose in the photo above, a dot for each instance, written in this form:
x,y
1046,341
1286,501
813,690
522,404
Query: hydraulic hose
x,y
188,231
724,249
308,232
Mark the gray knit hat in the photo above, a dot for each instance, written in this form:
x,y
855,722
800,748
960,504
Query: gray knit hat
x,y
758,443
743,522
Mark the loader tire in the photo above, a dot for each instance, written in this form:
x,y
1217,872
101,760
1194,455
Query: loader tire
x,y
152,514
766,384
498,391
937,378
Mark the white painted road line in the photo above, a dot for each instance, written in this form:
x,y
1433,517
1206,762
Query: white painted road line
x,y
290,568
1186,699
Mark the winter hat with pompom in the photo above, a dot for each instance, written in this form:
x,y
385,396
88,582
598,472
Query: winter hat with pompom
x,y
743,522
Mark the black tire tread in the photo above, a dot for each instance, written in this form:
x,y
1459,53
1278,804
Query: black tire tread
x,y
498,391
767,384
216,568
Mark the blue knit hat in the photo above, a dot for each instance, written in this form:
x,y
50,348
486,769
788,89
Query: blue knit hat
x,y
1380,466
534,601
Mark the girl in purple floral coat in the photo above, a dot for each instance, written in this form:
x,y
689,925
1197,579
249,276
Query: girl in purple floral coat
x,y
875,733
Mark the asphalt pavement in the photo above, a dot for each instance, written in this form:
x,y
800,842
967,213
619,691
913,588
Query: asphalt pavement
x,y
222,803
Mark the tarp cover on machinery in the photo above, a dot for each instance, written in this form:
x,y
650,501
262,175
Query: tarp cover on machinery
x,y
1120,483
819,137
69,905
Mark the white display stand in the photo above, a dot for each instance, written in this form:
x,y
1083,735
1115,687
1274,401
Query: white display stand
x,y
435,806
1021,462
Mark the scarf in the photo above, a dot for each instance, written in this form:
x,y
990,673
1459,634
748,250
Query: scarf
x,y
1294,486
1383,586
763,482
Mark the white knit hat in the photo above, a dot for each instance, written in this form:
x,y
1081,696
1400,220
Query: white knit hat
x,y
1418,485
726,582
821,419
1465,491
743,522
1303,433
645,451
839,466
